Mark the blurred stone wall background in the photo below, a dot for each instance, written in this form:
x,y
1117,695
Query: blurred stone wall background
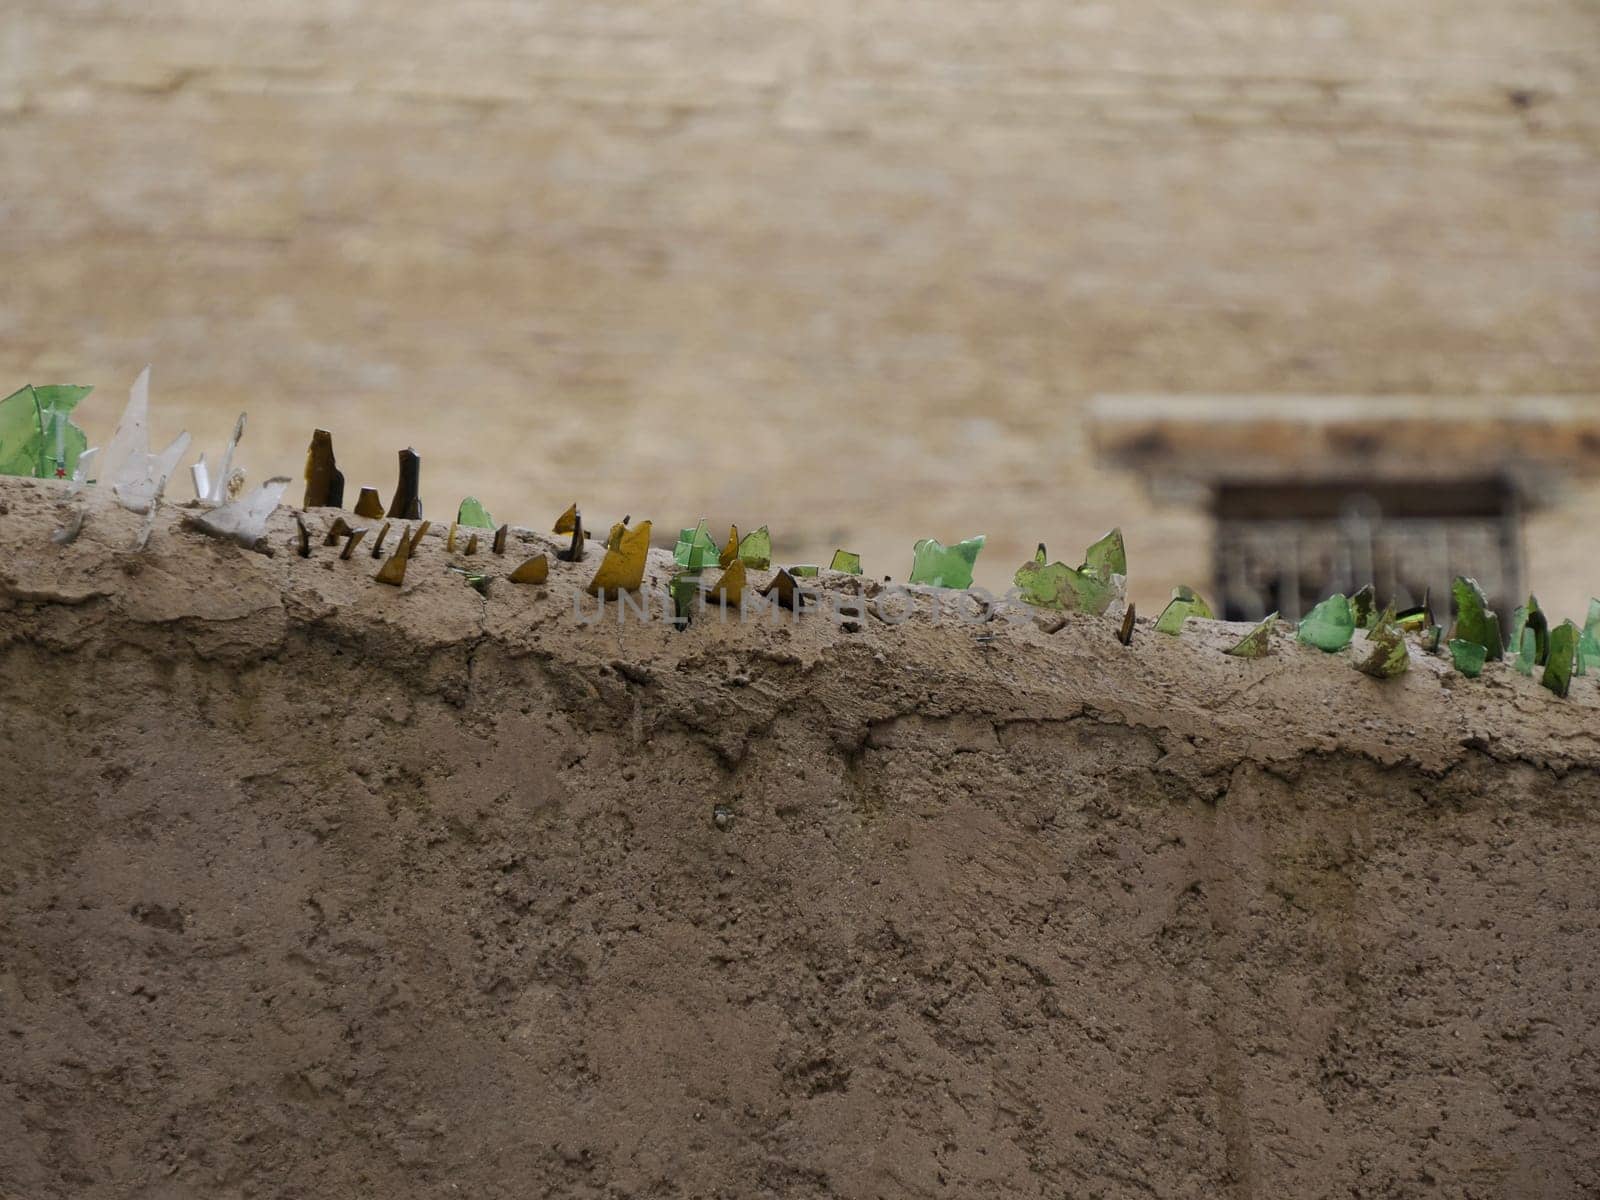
x,y
851,267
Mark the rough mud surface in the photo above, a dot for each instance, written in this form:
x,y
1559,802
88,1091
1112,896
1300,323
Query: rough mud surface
x,y
311,887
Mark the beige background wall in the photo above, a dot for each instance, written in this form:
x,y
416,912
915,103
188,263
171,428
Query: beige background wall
x,y
848,267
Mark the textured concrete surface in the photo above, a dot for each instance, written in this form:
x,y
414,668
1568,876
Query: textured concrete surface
x,y
852,268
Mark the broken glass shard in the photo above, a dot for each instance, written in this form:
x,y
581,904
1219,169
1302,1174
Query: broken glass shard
x,y
1527,648
499,543
324,480
337,530
1387,654
1125,634
1185,603
730,549
755,549
416,538
1107,557
37,436
352,541
473,514
937,565
472,545
1329,626
1056,585
567,521
533,570
783,585
730,588
200,476
228,483
369,504
243,520
808,570
844,560
1256,643
407,502
684,587
377,545
696,550
1558,668
1474,621
622,569
574,551
1467,657
303,535
1589,640
1362,610
393,570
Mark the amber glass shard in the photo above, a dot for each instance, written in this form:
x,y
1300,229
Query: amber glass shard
x,y
1185,603
730,588
416,539
1387,653
450,538
473,514
785,588
337,530
1474,620
393,570
937,565
472,545
407,502
1329,626
574,552
1056,585
695,551
1107,557
614,538
1467,657
377,546
755,549
499,543
622,569
844,560
352,541
1417,619
324,480
1257,643
533,570
1558,667
567,521
368,504
1125,634
302,537
730,549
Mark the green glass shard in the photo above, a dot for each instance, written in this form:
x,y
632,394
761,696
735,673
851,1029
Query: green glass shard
x,y
37,438
1474,620
1540,624
1185,603
696,551
1257,643
1417,619
474,515
1467,657
1527,652
844,560
684,588
1107,557
1362,607
755,549
938,565
1432,638
1589,640
1387,654
1558,667
1329,626
1056,585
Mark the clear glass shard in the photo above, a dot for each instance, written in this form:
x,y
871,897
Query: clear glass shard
x,y
201,478
129,447
225,473
244,520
